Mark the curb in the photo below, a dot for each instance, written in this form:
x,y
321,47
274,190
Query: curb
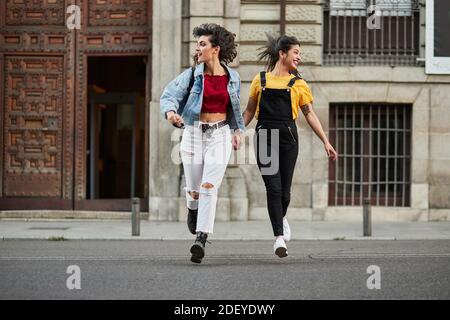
x,y
130,238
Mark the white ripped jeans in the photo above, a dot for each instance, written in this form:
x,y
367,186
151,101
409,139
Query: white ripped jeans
x,y
205,158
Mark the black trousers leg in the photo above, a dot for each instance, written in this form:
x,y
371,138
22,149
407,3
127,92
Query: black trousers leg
x,y
288,158
274,202
278,184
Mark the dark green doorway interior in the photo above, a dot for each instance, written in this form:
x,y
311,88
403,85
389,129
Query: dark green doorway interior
x,y
116,128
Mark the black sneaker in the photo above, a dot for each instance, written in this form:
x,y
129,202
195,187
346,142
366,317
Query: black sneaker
x,y
192,220
198,248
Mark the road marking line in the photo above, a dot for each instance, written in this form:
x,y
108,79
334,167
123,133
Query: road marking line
x,y
228,257
379,255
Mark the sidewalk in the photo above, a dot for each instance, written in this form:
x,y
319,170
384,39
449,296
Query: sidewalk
x,y
248,230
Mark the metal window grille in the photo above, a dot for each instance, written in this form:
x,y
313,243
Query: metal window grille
x,y
348,40
373,142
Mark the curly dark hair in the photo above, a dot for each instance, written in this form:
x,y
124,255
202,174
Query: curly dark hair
x,y
219,36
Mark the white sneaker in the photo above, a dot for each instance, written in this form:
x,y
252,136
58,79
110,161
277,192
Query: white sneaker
x,y
286,230
280,248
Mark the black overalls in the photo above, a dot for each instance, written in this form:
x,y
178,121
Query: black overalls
x,y
276,149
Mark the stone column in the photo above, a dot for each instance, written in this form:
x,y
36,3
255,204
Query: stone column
x,y
420,154
166,63
439,150
304,20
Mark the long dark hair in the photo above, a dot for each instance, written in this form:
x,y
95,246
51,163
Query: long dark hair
x,y
218,36
270,51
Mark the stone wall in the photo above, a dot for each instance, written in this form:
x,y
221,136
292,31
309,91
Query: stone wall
x,y
430,193
303,20
242,195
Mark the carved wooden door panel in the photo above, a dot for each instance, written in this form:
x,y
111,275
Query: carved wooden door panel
x,y
33,126
43,92
108,28
36,92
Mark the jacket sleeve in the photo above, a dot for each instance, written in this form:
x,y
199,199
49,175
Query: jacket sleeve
x,y
242,126
175,92
233,121
239,87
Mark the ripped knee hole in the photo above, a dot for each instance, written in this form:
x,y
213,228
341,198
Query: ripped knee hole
x,y
207,185
194,194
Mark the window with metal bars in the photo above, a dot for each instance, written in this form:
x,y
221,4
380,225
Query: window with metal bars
x,y
348,40
373,142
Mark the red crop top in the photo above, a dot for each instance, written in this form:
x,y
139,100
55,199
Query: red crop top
x,y
215,95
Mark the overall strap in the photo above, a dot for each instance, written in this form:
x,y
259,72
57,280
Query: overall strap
x,y
262,75
291,83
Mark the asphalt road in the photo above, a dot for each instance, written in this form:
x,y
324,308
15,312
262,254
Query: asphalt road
x,y
231,270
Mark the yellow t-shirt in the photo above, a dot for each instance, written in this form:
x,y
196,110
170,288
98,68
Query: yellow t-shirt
x,y
300,92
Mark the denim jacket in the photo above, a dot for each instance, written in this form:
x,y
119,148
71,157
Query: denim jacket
x,y
176,90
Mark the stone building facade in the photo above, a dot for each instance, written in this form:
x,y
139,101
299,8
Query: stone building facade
x,y
242,195
38,54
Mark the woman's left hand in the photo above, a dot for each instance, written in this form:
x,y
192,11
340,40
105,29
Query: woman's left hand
x,y
330,151
236,141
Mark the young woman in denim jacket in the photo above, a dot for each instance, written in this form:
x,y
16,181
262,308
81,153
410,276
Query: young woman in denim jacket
x,y
276,97
213,122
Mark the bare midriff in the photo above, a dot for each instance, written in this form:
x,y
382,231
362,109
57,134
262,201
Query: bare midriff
x,y
212,117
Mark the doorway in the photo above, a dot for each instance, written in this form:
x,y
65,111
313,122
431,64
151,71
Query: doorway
x,y
117,133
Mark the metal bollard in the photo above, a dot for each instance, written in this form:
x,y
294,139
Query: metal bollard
x,y
135,217
367,218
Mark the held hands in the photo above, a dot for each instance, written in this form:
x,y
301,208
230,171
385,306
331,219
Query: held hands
x,y
175,119
236,140
330,151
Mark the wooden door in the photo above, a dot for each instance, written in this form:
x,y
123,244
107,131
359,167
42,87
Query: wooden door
x,y
37,98
43,92
109,28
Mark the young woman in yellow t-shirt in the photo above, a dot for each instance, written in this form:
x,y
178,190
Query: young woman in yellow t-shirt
x,y
275,99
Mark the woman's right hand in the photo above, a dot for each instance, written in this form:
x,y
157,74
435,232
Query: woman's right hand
x,y
175,119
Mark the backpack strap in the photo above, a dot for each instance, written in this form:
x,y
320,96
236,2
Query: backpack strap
x,y
191,82
188,92
262,76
